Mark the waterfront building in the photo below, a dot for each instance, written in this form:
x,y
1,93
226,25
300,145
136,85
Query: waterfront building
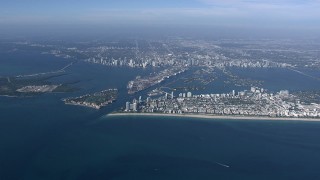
x,y
127,106
135,101
135,106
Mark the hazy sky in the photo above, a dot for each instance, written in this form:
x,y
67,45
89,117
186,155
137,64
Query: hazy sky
x,y
276,14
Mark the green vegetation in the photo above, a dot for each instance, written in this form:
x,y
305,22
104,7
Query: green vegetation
x,y
96,100
10,85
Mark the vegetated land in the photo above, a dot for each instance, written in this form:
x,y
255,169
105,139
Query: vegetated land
x,y
25,86
95,100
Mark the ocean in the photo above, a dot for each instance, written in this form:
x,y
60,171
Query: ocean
x,y
41,138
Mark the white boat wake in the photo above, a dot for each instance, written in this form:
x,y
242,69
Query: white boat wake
x,y
223,165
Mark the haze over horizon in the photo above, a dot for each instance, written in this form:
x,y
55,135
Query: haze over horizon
x,y
203,16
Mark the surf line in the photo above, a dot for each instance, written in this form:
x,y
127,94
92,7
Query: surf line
x,y
223,165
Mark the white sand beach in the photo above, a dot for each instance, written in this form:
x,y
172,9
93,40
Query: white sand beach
x,y
208,116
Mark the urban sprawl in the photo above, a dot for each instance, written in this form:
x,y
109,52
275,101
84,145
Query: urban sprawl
x,y
253,102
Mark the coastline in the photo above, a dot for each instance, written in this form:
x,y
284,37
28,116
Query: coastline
x,y
207,116
83,105
9,96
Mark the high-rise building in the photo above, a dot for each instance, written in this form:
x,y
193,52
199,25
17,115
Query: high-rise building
x,y
140,99
189,94
172,95
127,106
253,89
135,101
135,107
233,92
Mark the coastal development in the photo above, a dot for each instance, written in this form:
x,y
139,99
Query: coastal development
x,y
191,65
256,102
140,83
38,89
177,51
95,100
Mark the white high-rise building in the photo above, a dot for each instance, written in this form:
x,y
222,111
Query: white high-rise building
x,y
135,107
253,89
127,106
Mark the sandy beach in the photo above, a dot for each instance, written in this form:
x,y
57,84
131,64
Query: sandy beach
x,y
207,116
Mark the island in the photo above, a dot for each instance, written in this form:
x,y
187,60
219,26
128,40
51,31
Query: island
x,y
142,83
19,86
95,100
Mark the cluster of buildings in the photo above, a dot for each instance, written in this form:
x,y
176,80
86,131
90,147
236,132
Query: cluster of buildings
x,y
95,100
140,83
170,53
38,89
195,60
185,51
253,102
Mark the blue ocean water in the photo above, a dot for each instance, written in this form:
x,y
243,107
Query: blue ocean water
x,y
41,138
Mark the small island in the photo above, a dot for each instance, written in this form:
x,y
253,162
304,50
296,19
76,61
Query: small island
x,y
95,100
21,86
142,83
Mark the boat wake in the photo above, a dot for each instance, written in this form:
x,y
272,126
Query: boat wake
x,y
223,165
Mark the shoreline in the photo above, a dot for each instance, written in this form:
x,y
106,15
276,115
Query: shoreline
x,y
9,96
207,116
82,105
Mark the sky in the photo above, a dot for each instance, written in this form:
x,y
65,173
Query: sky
x,y
296,15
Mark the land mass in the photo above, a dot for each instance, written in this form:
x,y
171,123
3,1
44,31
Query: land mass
x,y
140,83
95,100
31,85
257,102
